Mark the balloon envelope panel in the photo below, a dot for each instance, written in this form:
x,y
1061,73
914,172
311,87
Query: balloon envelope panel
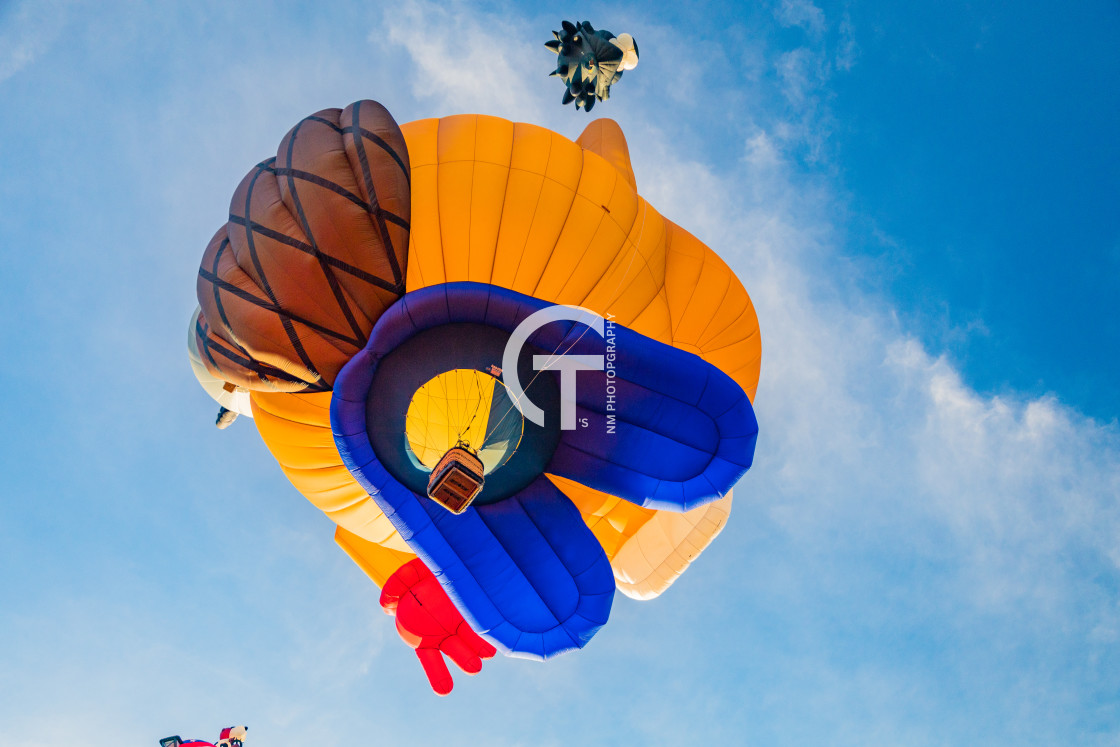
x,y
526,569
463,406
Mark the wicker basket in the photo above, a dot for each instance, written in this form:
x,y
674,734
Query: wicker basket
x,y
456,480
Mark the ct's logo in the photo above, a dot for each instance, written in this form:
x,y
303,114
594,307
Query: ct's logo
x,y
566,364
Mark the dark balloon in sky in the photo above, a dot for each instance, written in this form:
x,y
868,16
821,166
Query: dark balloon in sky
x,y
590,61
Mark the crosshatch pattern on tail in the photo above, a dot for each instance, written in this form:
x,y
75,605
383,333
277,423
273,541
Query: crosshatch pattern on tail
x,y
314,251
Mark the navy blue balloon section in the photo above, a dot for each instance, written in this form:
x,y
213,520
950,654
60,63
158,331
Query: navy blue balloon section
x,y
446,347
659,427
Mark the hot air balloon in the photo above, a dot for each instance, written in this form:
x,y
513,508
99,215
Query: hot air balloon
x,y
513,385
231,736
590,61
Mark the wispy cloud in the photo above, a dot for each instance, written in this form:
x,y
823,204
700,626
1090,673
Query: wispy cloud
x,y
802,13
462,65
857,411
27,30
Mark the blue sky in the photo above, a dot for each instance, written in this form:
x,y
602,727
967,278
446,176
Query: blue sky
x,y
921,203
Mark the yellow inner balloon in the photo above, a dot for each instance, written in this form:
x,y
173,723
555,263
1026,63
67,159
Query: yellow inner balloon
x,y
452,407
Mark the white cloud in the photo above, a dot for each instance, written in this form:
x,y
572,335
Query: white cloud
x,y
1020,482
848,51
462,64
804,14
860,421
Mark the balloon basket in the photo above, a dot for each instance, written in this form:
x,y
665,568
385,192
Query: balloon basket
x,y
456,480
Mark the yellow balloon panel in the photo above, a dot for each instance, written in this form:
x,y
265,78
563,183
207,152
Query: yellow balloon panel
x,y
460,407
450,408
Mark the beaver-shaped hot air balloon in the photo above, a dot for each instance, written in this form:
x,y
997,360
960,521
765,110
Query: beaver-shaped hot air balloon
x,y
512,384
